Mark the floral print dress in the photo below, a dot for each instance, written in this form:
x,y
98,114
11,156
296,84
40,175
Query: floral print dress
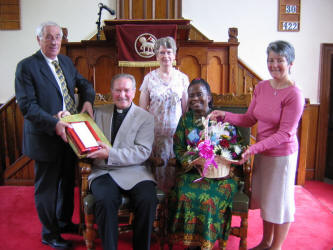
x,y
165,105
199,212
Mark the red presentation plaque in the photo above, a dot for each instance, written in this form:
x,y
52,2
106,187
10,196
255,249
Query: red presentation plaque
x,y
83,136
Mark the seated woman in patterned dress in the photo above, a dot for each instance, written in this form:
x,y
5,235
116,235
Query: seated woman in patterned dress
x,y
199,212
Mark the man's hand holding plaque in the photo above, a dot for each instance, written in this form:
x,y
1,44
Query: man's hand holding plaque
x,y
103,153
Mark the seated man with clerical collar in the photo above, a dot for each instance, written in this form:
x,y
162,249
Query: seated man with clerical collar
x,y
122,167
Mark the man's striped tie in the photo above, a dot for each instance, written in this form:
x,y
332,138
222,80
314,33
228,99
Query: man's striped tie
x,y
69,103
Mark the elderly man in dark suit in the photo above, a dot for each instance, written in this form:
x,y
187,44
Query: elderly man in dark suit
x,y
123,167
44,86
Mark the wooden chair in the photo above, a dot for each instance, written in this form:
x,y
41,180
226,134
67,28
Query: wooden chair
x,y
240,206
125,213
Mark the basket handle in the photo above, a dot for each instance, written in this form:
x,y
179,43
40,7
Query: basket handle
x,y
206,125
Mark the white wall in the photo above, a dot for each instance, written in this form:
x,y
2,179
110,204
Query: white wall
x,y
256,21
78,16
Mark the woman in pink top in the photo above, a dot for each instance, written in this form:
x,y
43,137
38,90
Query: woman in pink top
x,y
276,107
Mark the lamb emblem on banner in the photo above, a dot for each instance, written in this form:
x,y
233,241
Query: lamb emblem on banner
x,y
144,45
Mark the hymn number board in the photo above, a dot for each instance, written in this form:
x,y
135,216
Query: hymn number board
x,y
289,15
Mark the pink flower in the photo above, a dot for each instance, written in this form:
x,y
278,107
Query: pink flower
x,y
206,149
206,152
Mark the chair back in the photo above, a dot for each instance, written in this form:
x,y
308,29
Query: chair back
x,y
238,104
234,104
244,131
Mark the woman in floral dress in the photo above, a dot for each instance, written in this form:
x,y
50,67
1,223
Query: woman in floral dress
x,y
164,94
199,212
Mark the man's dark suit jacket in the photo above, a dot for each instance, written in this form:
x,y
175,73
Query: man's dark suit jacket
x,y
39,98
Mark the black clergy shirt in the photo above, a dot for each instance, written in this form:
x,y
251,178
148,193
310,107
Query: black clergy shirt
x,y
117,119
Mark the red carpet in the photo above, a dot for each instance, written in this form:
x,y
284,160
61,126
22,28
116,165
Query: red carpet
x,y
312,229
326,197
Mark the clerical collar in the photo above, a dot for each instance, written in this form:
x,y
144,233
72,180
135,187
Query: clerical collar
x,y
120,111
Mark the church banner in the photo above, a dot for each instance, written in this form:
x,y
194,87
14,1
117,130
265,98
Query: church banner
x,y
136,43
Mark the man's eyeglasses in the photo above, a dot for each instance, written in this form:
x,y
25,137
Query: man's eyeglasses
x,y
50,38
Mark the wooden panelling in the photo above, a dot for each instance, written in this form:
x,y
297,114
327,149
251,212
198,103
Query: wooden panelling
x,y
214,75
164,12
15,168
149,9
307,135
326,77
10,15
307,144
81,65
104,70
139,11
233,71
138,74
191,65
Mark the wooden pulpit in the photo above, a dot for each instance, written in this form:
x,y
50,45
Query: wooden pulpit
x,y
217,62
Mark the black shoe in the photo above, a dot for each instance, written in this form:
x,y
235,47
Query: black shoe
x,y
70,229
58,242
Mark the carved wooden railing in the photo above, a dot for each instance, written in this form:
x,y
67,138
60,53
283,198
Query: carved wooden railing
x,y
16,169
247,78
196,34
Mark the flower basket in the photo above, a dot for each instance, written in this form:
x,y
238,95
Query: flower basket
x,y
218,147
220,171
